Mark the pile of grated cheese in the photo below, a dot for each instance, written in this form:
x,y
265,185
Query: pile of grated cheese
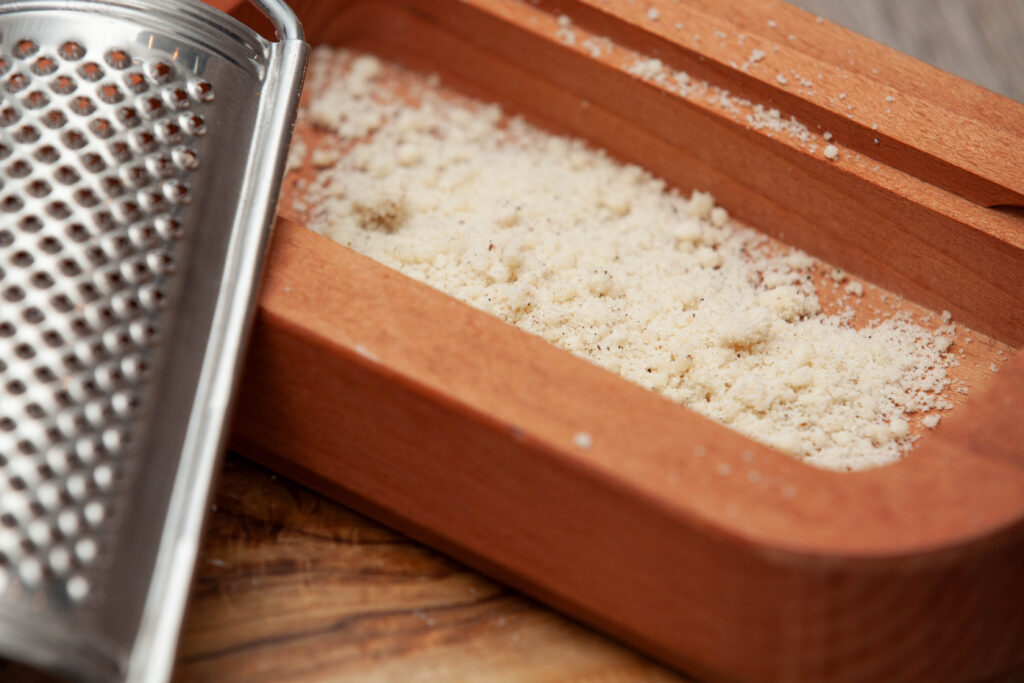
x,y
601,259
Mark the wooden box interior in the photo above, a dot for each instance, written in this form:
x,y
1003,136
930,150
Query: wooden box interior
x,y
712,552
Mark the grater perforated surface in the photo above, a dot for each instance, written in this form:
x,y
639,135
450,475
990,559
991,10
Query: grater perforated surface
x,y
96,151
141,149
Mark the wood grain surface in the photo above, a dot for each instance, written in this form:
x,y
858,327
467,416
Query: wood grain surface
x,y
291,586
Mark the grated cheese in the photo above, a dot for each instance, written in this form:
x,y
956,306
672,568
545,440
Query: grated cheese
x,y
602,259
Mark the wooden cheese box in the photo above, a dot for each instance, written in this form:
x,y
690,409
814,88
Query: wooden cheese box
x,y
713,553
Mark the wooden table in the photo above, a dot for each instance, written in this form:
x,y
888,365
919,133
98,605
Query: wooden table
x,y
291,586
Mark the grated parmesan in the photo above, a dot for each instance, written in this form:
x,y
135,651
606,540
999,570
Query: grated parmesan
x,y
600,258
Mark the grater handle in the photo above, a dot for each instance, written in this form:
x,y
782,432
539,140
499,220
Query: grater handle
x,y
281,15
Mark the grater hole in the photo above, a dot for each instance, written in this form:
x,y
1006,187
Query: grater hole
x,y
161,166
95,255
177,192
9,116
74,139
169,228
86,550
112,187
16,387
128,307
105,221
91,71
77,232
153,297
69,267
80,327
47,154
33,315
11,203
58,209
144,141
119,246
160,72
78,588
50,245
62,303
16,83
169,133
35,411
101,128
42,280
136,176
121,151
25,48
86,197
36,100
110,93
53,339
5,151
185,158
93,162
83,106
136,82
194,124
67,175
162,263
5,66
44,374
177,98
129,211
30,224
6,238
152,107
201,90
19,169
39,188
118,59
128,117
22,259
44,66
71,51
144,236
26,135
14,294
152,201
63,85
55,119
24,352
7,329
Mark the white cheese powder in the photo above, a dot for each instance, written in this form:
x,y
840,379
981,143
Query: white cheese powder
x,y
601,259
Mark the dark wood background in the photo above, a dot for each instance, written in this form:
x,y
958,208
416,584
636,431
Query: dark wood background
x,y
293,587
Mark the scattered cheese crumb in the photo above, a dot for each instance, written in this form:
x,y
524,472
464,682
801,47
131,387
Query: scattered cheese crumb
x,y
931,421
781,79
831,152
583,441
652,14
855,288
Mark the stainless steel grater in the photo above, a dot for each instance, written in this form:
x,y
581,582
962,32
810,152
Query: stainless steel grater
x,y
141,149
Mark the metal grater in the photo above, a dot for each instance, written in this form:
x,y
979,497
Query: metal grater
x,y
141,149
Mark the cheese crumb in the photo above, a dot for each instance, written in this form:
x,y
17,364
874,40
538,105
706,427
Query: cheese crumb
x,y
855,288
831,152
583,441
931,421
653,14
